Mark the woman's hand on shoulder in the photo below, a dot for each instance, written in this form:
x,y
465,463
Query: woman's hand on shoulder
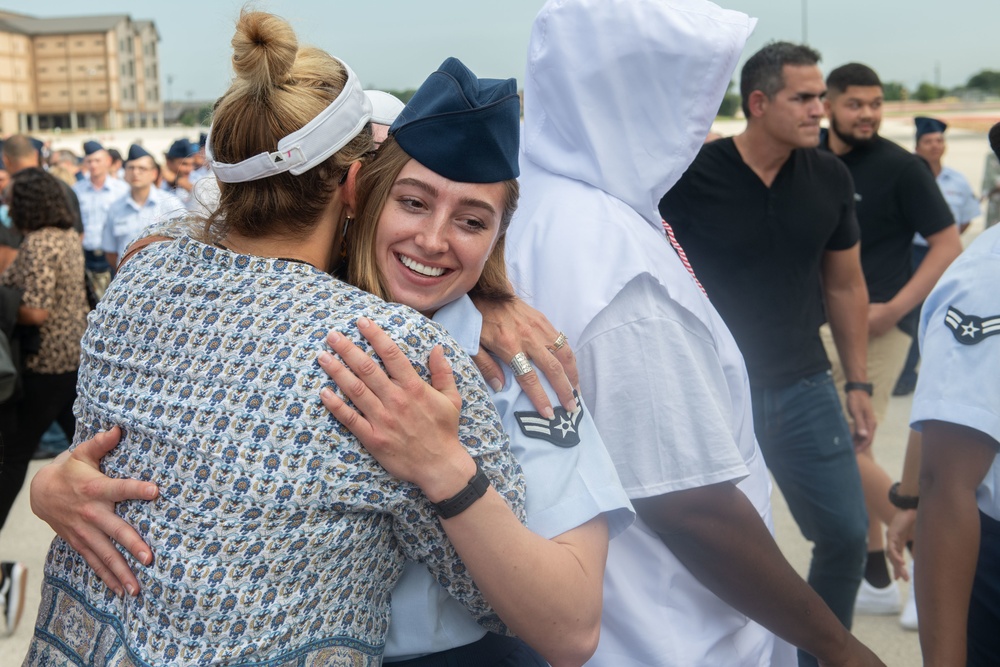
x,y
77,500
408,425
514,326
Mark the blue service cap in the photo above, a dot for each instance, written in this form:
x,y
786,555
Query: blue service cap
x,y
135,151
180,149
462,127
91,147
202,140
37,143
995,139
927,125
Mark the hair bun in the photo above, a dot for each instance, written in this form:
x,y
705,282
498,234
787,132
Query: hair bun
x,y
264,49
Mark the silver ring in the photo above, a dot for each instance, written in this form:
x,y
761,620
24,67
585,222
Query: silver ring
x,y
560,341
520,364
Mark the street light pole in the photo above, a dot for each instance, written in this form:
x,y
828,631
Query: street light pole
x,y
805,15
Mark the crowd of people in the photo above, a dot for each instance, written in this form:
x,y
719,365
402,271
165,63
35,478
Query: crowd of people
x,y
318,419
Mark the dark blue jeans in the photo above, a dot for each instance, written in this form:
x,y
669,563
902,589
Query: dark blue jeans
x,y
808,448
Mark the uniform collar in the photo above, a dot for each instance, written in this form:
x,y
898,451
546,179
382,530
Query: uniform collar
x,y
463,321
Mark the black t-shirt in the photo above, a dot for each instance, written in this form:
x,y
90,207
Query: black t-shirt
x,y
896,195
758,250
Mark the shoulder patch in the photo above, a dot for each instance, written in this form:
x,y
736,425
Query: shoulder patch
x,y
563,430
971,329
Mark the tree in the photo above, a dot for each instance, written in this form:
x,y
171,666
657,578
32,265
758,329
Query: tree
x,y
986,80
200,116
928,91
730,103
894,91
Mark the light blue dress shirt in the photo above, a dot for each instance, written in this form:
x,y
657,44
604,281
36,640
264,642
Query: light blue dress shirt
x,y
566,487
960,350
94,205
126,218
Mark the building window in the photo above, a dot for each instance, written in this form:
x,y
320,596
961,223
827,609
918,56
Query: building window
x,y
44,93
98,42
60,45
79,43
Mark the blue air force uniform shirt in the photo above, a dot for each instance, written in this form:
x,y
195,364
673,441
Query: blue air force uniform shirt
x,y
960,350
126,218
569,477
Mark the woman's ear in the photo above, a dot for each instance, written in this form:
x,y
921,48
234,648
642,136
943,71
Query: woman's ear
x,y
350,197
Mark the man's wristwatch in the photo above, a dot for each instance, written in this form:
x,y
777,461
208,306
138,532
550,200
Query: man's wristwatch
x,y
461,501
902,502
866,387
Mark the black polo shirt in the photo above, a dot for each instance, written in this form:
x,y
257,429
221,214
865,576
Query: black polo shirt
x,y
896,195
758,250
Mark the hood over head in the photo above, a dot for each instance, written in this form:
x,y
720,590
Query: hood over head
x,y
621,93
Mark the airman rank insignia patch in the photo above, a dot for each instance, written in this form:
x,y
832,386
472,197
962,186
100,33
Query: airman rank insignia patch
x,y
563,430
971,329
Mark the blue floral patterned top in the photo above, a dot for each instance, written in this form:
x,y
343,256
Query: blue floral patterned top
x,y
277,537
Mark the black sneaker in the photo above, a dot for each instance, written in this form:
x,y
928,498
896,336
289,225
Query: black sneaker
x,y
15,577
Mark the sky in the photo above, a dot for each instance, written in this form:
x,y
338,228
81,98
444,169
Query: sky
x,y
904,40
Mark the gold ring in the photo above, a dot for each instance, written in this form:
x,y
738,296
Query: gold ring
x,y
560,341
520,364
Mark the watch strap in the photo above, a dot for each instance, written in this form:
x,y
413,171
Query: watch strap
x,y
461,501
866,387
902,502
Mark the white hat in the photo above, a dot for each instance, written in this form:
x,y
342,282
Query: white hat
x,y
385,107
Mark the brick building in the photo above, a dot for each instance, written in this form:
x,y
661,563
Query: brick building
x,y
81,72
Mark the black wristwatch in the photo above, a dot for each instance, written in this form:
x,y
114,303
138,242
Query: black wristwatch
x,y
866,387
462,500
902,502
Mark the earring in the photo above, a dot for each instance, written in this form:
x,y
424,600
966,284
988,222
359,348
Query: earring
x,y
347,222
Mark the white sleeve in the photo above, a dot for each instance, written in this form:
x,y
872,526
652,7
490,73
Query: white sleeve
x,y
652,375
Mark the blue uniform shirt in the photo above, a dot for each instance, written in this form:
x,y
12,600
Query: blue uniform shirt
x,y
94,205
959,196
960,348
126,219
569,477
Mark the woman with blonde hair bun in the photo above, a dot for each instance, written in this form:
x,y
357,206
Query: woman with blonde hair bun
x,y
278,538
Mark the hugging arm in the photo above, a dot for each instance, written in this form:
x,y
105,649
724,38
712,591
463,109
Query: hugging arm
x,y
514,326
412,429
77,500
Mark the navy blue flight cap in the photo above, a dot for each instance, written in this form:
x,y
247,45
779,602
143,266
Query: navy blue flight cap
x,y
37,143
135,151
202,140
927,125
462,127
180,149
91,147
995,139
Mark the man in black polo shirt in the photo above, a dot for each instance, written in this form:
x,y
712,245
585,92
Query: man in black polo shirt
x,y
896,195
768,223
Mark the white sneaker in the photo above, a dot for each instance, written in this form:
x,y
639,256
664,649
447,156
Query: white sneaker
x,y
908,619
15,576
877,601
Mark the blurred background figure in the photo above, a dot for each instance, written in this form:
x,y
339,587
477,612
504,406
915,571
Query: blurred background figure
x,y
95,193
51,318
964,206
177,172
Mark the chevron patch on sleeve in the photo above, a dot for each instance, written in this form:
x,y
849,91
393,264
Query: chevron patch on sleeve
x,y
971,329
563,430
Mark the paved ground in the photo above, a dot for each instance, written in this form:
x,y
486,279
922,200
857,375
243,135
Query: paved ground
x,y
26,538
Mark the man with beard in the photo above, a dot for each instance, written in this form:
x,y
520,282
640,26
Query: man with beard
x,y
895,196
768,222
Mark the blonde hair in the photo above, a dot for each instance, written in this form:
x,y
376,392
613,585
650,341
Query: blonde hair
x,y
375,182
279,87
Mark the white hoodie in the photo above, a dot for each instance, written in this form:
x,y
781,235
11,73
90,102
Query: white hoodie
x,y
619,95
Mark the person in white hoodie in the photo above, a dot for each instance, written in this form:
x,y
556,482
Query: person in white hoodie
x,y
618,98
